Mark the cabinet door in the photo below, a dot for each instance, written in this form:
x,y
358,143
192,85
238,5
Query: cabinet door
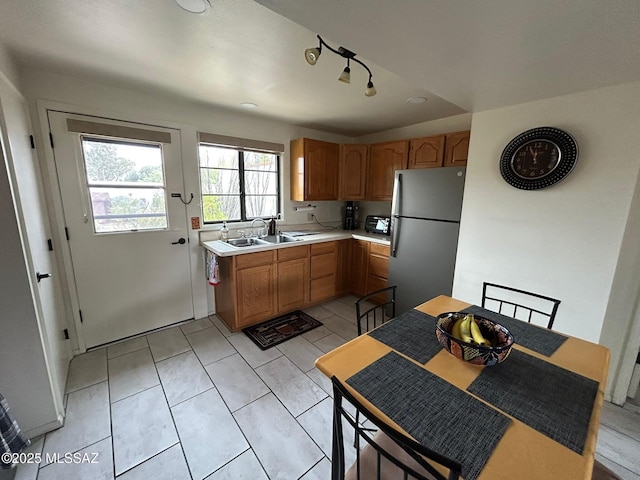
x,y
426,152
457,149
353,171
342,273
293,284
378,270
384,160
359,256
321,170
256,294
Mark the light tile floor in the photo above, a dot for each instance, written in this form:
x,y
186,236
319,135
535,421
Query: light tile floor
x,y
200,402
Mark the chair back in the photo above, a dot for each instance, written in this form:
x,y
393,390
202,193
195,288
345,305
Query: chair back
x,y
387,455
375,308
519,304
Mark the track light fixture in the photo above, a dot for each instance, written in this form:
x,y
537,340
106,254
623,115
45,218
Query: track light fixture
x,y
312,55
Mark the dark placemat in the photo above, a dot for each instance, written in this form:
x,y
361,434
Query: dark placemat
x,y
548,398
413,334
541,340
434,412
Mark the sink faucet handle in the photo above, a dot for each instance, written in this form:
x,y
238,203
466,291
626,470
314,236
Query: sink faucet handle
x,y
241,233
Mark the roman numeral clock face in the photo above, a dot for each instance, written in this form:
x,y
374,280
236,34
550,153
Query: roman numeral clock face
x,y
538,158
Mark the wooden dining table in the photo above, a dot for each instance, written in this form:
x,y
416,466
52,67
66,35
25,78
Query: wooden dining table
x,y
521,451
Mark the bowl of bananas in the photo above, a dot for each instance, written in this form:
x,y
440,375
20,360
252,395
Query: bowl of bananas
x,y
474,339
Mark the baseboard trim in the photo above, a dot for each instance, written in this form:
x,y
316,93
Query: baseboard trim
x,y
42,429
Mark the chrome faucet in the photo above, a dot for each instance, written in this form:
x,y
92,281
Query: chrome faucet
x,y
264,224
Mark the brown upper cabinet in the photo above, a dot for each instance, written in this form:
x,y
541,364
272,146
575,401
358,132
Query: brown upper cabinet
x,y
314,169
384,160
353,171
456,149
426,152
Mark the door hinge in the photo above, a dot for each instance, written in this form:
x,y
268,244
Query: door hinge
x,y
50,244
32,141
51,139
66,233
81,319
66,334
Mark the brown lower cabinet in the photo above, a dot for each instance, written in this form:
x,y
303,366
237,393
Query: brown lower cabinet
x,y
293,275
324,263
255,287
378,271
358,267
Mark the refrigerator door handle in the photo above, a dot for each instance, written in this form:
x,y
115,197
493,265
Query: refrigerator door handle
x,y
395,214
395,203
395,231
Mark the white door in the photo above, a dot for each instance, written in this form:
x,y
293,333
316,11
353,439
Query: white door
x,y
120,185
35,232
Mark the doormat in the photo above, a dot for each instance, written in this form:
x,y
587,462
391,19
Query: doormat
x,y
272,332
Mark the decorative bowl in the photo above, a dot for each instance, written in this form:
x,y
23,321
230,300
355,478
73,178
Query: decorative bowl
x,y
500,338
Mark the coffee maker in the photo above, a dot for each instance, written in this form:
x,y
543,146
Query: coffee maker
x,y
350,218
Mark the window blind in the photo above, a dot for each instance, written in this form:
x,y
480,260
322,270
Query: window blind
x,y
119,131
241,143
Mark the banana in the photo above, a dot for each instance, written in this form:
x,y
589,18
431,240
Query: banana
x,y
477,335
465,329
455,330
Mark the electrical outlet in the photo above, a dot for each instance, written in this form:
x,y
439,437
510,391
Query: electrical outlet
x,y
310,217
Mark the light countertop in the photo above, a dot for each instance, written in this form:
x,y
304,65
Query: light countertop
x,y
224,249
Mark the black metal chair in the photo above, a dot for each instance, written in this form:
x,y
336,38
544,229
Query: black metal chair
x,y
375,308
514,302
389,455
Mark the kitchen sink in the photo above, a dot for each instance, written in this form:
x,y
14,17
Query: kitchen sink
x,y
279,239
247,242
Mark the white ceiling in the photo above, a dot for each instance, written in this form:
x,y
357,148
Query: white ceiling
x,y
462,55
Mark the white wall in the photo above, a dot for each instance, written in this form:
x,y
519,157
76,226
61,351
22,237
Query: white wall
x,y
8,68
565,240
82,96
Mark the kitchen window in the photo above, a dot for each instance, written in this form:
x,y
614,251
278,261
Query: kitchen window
x,y
238,184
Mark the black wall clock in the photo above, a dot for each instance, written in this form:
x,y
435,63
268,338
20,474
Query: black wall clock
x,y
538,158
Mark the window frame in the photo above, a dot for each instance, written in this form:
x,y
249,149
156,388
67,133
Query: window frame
x,y
88,185
240,151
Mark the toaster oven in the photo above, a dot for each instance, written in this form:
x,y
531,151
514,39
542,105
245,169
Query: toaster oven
x,y
376,224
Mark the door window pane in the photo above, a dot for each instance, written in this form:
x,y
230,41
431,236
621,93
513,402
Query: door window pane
x,y
126,185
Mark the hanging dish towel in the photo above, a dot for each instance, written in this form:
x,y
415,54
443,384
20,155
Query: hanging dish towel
x,y
11,438
213,274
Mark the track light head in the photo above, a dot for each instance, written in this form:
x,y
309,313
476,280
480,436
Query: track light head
x,y
312,55
345,76
370,90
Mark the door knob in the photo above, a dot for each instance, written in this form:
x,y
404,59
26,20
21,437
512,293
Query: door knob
x,y
40,276
181,241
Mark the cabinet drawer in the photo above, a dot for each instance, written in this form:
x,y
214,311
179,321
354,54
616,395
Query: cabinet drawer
x,y
254,259
321,248
322,288
379,249
292,253
379,266
323,265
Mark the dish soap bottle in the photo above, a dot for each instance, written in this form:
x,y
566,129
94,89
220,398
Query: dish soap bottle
x,y
272,226
224,232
